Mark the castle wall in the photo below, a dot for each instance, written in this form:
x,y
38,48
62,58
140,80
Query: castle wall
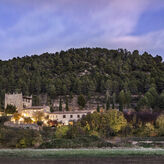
x,y
14,99
27,101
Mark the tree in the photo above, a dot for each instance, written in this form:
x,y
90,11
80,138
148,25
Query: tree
x,y
108,104
161,101
160,124
10,109
51,109
98,108
27,120
113,100
116,120
81,101
66,104
152,97
16,116
61,132
38,116
148,130
143,103
122,100
60,105
128,98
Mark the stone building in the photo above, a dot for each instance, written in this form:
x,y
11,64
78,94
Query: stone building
x,y
15,100
28,112
27,101
18,100
66,116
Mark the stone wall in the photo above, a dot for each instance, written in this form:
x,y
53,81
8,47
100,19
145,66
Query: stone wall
x,y
73,105
14,99
27,101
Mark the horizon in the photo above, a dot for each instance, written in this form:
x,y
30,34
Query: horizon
x,y
39,26
75,48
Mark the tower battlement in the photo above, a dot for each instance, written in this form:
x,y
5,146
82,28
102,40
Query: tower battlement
x,y
18,100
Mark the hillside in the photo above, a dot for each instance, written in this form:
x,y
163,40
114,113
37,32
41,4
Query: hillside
x,y
84,71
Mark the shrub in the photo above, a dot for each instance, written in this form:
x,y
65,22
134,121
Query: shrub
x,y
4,119
160,124
61,132
10,109
116,120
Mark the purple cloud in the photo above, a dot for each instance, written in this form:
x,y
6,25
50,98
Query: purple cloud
x,y
52,25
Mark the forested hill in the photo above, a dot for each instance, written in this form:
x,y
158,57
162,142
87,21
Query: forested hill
x,y
85,71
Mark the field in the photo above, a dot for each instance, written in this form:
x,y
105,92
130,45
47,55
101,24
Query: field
x,y
81,155
77,153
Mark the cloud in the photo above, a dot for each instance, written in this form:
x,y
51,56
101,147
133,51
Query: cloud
x,y
53,25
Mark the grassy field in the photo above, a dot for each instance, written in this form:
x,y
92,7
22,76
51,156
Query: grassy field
x,y
77,153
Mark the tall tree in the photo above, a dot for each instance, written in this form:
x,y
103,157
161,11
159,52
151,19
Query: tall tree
x,y
98,108
108,104
60,105
81,101
66,104
122,100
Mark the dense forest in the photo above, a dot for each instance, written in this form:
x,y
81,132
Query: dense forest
x,y
87,71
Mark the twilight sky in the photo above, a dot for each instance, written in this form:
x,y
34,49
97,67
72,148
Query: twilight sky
x,y
36,26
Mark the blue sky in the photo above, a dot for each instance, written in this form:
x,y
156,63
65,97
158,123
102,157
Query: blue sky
x,y
30,27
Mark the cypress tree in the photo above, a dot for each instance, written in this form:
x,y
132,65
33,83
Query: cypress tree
x,y
60,105
98,108
108,104
66,103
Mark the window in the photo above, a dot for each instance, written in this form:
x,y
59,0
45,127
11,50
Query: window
x,y
78,116
64,116
71,116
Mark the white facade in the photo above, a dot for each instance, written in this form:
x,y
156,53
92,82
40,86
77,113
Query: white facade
x,y
67,116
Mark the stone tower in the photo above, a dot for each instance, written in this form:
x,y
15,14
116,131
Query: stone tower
x,y
14,99
27,101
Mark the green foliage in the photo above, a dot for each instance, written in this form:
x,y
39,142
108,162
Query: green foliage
x,y
108,104
98,108
19,138
160,101
61,132
81,101
78,142
82,71
160,124
51,109
113,100
116,120
10,109
66,104
150,99
100,124
122,100
4,119
60,105
27,120
147,130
